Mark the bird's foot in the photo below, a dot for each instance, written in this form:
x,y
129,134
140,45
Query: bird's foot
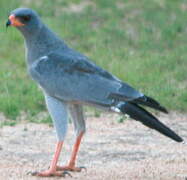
x,y
70,168
50,173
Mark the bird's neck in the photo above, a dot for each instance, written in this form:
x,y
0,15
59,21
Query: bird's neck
x,y
41,43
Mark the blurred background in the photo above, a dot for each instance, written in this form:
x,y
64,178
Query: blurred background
x,y
142,42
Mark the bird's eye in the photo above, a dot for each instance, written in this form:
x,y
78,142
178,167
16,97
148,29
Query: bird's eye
x,y
26,18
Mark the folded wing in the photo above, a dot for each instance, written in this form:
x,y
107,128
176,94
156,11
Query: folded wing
x,y
74,78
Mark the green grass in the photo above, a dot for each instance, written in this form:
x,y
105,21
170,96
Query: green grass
x,y
142,42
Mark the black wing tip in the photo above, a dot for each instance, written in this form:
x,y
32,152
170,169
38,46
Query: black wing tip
x,y
164,110
157,104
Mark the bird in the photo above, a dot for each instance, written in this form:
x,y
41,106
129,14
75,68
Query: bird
x,y
69,81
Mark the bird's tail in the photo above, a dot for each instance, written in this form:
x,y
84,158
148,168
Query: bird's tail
x,y
138,113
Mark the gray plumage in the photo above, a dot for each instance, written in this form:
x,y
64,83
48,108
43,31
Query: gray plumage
x,y
70,80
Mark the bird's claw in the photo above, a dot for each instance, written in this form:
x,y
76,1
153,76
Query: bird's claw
x,y
32,173
67,173
69,168
49,174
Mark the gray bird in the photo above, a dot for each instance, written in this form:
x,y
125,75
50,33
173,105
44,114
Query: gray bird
x,y
70,80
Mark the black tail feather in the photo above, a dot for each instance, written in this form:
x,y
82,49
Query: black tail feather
x,y
150,102
138,113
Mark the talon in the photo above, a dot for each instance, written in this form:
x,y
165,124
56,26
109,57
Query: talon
x,y
67,173
50,173
31,173
35,173
71,168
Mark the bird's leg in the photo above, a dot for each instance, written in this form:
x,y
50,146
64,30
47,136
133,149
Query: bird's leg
x,y
71,164
52,171
77,115
58,112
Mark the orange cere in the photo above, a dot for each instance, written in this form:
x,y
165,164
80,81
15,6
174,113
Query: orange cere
x,y
14,21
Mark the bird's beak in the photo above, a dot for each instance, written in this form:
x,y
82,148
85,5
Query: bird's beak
x,y
8,23
13,21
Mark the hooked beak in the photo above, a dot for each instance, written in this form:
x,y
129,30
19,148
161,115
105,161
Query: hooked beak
x,y
13,21
8,23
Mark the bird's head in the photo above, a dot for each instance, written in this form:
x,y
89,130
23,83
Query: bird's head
x,y
24,19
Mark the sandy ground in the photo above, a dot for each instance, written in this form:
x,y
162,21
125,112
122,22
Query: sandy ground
x,y
110,150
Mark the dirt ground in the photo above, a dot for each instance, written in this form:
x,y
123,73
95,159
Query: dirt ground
x,y
110,150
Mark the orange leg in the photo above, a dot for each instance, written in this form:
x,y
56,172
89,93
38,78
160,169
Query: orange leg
x,y
71,164
52,171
